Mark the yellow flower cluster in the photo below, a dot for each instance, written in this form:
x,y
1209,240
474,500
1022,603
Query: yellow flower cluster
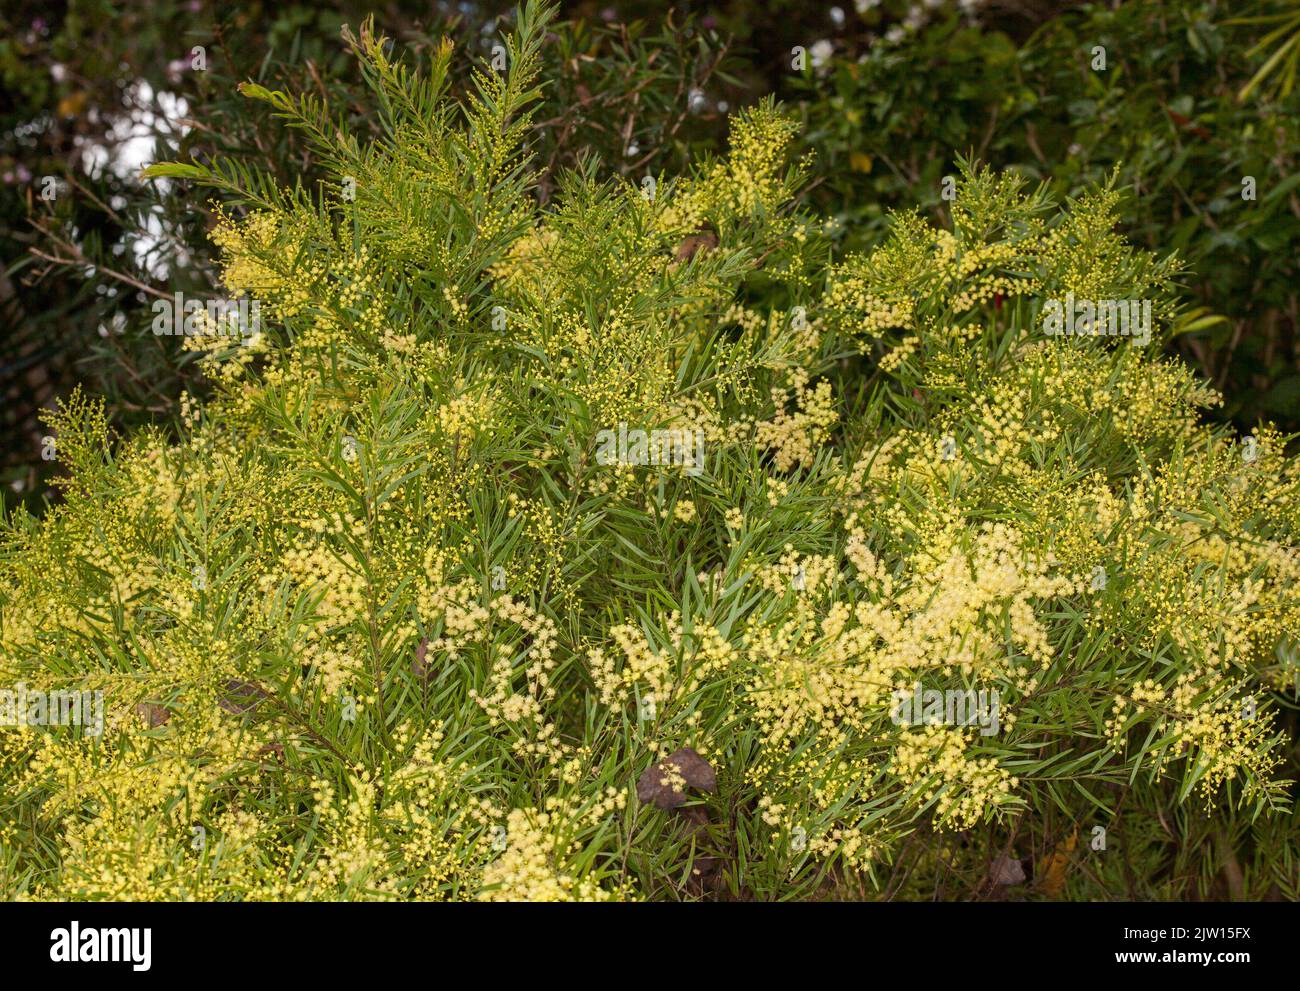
x,y
747,181
795,437
533,868
933,762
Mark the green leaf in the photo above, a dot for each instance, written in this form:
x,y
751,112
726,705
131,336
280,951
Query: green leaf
x,y
174,170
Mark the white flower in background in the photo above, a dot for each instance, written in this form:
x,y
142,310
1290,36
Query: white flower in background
x,y
862,6
821,53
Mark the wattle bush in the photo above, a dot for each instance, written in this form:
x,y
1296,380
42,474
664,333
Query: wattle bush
x,y
386,623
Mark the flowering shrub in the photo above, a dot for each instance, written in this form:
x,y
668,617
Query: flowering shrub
x,y
1149,91
380,624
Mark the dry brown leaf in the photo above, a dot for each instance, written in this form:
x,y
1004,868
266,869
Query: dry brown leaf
x,y
651,787
418,666
153,715
702,870
1007,870
1054,865
655,784
241,697
697,771
704,240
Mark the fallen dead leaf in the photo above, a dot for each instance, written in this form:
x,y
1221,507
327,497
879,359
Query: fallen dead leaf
x,y
1055,863
703,240
702,871
153,715
242,696
1007,870
695,770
